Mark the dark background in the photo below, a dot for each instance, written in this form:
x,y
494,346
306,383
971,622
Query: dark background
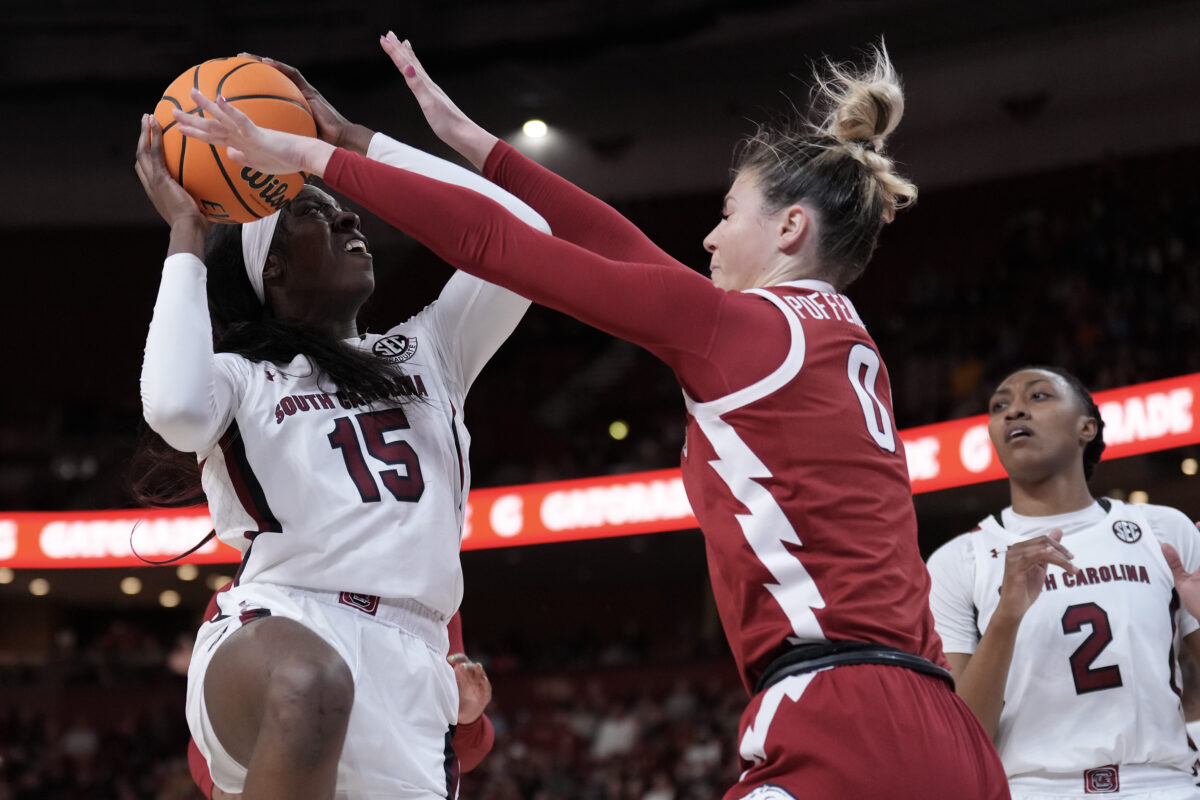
x,y
1055,145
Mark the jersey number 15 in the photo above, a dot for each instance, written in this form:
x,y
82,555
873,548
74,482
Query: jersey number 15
x,y
406,485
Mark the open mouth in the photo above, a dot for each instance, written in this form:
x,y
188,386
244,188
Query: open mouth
x,y
356,246
1017,433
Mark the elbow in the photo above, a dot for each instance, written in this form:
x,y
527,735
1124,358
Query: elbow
x,y
182,427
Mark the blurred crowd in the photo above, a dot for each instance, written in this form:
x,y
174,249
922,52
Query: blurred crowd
x,y
1096,269
588,742
617,720
83,747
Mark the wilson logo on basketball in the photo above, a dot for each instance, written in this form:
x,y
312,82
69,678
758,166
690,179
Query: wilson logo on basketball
x,y
270,189
1127,531
395,348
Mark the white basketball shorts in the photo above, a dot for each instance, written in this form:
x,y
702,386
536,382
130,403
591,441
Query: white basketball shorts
x,y
405,695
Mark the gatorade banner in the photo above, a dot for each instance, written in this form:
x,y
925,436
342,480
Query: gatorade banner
x,y
1138,419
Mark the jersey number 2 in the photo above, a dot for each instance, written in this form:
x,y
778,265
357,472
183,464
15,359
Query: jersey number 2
x,y
875,413
1086,678
407,485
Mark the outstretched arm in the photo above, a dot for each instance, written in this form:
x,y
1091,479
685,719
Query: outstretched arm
x,y
574,214
675,313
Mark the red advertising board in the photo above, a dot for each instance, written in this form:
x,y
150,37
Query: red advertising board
x,y
1138,419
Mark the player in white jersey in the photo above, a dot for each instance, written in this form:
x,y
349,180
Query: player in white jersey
x,y
337,463
1059,614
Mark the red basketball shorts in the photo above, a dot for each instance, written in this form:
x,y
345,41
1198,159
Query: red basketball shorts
x,y
864,731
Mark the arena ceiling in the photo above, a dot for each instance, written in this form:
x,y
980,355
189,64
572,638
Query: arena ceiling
x,y
646,97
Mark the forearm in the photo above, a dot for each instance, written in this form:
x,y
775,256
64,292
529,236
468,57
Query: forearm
x,y
178,382
387,150
187,236
356,138
573,214
982,683
630,300
472,741
470,141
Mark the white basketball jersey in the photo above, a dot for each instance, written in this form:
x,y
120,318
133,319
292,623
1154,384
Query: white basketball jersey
x,y
326,491
1094,679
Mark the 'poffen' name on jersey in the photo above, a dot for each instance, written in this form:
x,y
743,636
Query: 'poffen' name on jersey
x,y
406,386
823,306
1088,576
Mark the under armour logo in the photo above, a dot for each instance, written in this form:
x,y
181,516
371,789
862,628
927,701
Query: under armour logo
x,y
995,553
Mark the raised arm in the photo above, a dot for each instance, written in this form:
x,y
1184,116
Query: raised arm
x,y
574,214
186,399
675,313
669,311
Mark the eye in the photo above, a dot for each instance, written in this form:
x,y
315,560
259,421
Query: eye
x,y
1040,395
997,405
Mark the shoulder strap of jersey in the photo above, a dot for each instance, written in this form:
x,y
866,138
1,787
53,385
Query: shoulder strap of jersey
x,y
776,380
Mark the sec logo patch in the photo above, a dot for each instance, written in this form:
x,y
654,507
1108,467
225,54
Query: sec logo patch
x,y
395,348
1127,531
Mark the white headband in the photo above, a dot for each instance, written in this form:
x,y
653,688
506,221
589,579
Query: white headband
x,y
256,243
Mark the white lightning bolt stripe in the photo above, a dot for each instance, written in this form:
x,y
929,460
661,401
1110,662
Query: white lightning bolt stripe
x,y
765,528
753,747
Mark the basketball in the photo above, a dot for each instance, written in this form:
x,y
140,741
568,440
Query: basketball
x,y
225,190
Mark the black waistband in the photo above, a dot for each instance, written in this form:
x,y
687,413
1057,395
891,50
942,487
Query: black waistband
x,y
812,657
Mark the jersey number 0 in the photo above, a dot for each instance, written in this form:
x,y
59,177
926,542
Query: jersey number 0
x,y
862,368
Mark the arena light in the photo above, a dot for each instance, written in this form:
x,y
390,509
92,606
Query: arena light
x,y
169,599
187,572
39,587
7,575
535,129
1189,466
1138,497
217,582
131,585
618,429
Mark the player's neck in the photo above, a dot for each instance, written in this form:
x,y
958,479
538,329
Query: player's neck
x,y
1058,494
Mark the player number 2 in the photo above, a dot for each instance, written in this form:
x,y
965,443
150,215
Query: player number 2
x,y
1089,679
863,370
406,485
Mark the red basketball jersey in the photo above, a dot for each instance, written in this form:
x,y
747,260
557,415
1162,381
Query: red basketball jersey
x,y
800,485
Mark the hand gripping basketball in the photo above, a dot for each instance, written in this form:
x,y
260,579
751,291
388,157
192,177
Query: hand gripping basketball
x,y
260,148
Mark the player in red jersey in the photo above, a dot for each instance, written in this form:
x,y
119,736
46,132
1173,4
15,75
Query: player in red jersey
x,y
792,462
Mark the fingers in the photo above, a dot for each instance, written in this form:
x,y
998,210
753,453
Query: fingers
x,y
219,123
149,159
401,54
290,72
1174,562
143,144
1041,551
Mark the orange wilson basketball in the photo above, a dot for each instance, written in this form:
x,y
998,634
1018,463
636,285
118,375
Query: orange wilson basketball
x,y
225,190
